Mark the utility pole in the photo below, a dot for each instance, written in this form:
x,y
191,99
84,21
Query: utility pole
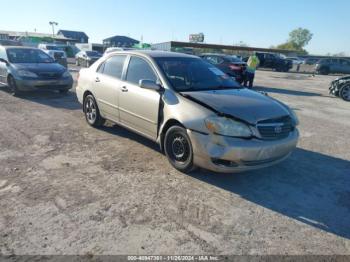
x,y
53,23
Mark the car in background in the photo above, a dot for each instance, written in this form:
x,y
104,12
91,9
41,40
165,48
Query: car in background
x,y
341,87
274,61
333,66
115,49
230,65
6,42
55,52
26,68
87,58
198,115
311,61
296,60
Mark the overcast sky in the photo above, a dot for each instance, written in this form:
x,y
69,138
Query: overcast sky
x,y
259,23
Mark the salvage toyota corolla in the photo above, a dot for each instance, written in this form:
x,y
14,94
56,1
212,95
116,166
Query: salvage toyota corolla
x,y
198,115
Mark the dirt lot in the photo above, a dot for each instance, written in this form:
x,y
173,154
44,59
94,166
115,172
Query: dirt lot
x,y
66,188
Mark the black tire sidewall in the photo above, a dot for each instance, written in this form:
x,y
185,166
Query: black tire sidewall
x,y
12,86
188,165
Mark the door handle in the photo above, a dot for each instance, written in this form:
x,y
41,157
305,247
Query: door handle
x,y
124,89
97,80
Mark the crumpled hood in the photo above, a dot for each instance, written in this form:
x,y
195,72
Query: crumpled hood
x,y
244,104
40,67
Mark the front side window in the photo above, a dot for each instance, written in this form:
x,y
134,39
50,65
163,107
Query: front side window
x,y
113,66
26,55
138,70
194,74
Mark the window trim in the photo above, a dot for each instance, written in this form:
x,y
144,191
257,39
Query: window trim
x,y
126,68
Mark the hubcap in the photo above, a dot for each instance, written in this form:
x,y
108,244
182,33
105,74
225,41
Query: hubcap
x,y
90,110
180,148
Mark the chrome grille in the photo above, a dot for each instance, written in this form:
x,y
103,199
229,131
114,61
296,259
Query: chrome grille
x,y
277,128
49,75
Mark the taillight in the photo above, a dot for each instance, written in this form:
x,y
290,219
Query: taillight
x,y
234,67
78,76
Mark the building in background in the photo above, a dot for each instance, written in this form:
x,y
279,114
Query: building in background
x,y
78,36
34,39
119,41
196,38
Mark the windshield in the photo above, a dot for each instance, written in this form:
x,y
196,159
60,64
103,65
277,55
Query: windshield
x,y
92,53
194,74
26,55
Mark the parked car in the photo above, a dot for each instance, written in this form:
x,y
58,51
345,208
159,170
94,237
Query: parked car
x,y
230,65
274,61
24,69
198,115
87,58
55,52
333,66
296,60
5,42
311,61
341,87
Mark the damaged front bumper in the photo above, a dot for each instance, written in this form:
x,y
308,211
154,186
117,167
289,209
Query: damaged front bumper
x,y
230,155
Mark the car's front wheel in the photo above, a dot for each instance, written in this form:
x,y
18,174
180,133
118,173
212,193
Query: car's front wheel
x,y
13,86
344,92
178,149
92,113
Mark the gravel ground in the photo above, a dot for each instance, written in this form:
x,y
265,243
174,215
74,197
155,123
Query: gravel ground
x,y
66,188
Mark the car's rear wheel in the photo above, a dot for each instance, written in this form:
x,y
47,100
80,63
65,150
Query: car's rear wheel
x,y
77,63
178,149
92,113
13,86
344,92
324,70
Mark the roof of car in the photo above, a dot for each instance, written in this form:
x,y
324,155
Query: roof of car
x,y
18,47
154,53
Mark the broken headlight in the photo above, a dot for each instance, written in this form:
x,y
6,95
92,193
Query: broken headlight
x,y
227,127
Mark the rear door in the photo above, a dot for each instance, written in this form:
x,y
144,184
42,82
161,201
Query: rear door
x,y
139,107
107,84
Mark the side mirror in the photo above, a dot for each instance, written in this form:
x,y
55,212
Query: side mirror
x,y
149,84
4,61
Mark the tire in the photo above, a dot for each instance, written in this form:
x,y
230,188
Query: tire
x,y
324,70
178,149
344,92
13,86
92,113
77,62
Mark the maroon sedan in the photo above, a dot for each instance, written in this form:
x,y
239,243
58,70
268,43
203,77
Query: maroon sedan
x,y
231,65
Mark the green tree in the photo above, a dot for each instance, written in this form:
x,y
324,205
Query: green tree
x,y
298,39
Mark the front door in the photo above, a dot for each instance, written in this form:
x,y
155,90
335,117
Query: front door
x,y
139,107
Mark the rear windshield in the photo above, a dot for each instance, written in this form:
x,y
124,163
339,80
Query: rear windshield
x,y
92,53
26,55
233,59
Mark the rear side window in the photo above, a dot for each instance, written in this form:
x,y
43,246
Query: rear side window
x,y
139,69
113,66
